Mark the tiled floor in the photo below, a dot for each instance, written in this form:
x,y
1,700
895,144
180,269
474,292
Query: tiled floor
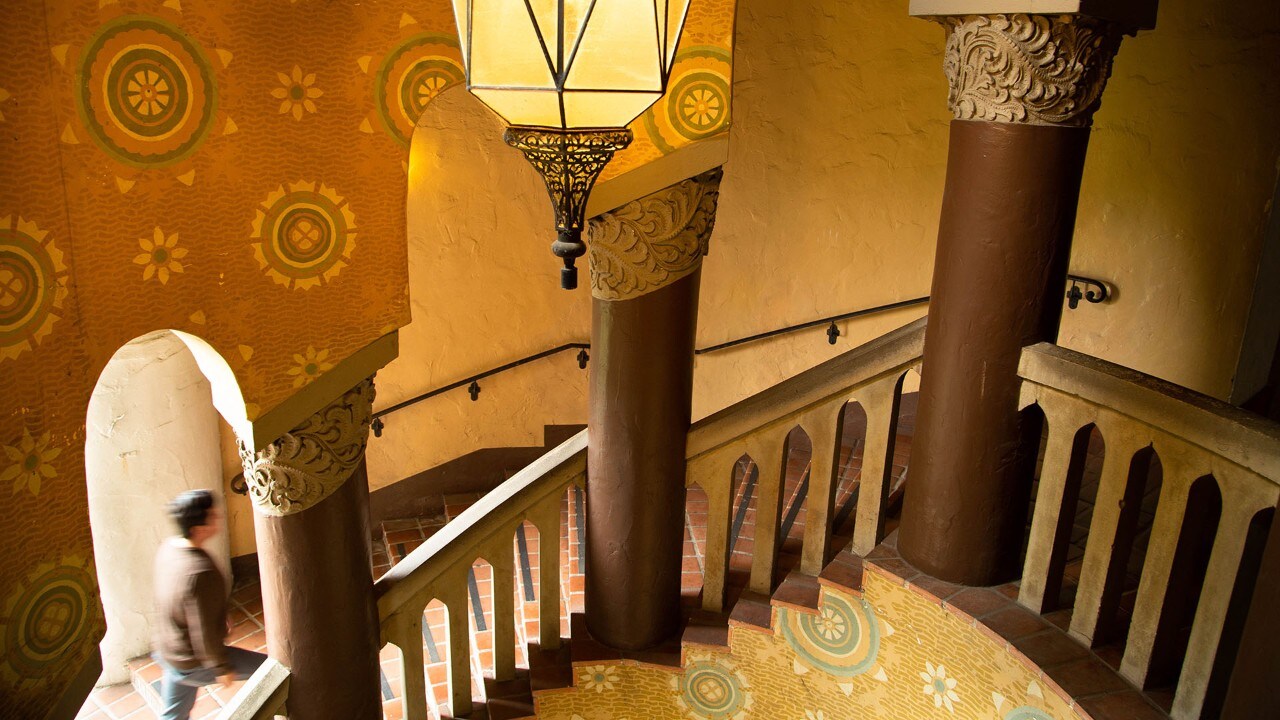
x,y
131,700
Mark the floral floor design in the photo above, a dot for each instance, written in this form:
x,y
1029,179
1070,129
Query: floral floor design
x,y
890,653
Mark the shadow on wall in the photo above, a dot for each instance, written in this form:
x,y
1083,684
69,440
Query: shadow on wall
x,y
152,431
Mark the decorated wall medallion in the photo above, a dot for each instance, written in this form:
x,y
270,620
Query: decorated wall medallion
x,y
43,619
696,105
304,233
145,91
713,691
843,638
32,285
411,76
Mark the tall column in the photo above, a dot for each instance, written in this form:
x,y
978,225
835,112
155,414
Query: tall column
x,y
1024,89
311,500
646,260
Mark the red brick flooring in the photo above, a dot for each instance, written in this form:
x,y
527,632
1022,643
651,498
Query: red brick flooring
x,y
137,699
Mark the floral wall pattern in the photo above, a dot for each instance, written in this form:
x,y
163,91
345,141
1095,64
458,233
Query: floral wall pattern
x,y
236,171
890,653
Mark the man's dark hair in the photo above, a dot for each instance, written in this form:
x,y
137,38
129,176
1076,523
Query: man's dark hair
x,y
190,509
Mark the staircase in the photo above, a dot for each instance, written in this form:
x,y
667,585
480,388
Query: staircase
x,y
1139,550
548,670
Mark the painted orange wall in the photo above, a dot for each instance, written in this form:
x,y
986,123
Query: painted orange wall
x,y
244,184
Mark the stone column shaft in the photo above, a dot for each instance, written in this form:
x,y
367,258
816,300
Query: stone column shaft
x,y
311,502
645,269
1023,92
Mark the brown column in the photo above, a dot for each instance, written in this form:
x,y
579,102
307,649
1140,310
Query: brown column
x,y
645,268
1023,92
311,497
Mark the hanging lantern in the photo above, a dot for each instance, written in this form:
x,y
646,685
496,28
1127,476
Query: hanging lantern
x,y
568,76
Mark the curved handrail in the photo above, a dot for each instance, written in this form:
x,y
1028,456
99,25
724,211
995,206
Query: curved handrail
x,y
1248,440
882,356
548,476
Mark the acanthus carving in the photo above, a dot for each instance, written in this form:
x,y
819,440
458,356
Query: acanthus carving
x,y
651,242
310,462
1028,69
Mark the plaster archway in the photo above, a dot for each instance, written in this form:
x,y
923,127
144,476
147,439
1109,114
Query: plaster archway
x,y
151,431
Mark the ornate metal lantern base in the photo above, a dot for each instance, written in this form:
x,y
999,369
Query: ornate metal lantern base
x,y
569,162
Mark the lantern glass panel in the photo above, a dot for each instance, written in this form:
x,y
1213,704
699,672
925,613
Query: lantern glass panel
x,y
619,50
505,48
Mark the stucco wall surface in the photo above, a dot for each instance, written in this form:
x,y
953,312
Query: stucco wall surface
x,y
152,432
831,198
831,194
485,291
1177,192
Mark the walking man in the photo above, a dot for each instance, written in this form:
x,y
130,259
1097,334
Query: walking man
x,y
191,601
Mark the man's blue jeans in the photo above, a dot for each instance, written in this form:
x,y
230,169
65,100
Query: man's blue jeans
x,y
178,687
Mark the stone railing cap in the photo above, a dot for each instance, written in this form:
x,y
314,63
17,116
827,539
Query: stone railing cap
x,y
1246,439
1133,14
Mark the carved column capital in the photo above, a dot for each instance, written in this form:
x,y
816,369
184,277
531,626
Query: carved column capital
x,y
651,242
310,462
1028,69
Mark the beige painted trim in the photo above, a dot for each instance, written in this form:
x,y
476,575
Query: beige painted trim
x,y
651,177
1138,14
311,398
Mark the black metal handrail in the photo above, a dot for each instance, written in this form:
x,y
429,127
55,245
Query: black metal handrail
x,y
833,332
1074,296
473,382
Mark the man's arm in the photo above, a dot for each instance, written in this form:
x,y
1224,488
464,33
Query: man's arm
x,y
206,623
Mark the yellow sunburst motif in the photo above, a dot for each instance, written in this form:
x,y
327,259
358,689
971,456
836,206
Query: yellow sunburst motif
x,y
160,256
309,366
33,285
304,234
32,461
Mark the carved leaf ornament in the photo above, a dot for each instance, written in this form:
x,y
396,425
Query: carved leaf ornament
x,y
1029,69
307,464
650,243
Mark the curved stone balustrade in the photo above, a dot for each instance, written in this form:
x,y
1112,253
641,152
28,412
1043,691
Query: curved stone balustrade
x,y
437,570
872,375
1198,441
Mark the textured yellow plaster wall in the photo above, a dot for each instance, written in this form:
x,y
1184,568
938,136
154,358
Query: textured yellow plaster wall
x,y
485,290
830,203
1177,189
832,190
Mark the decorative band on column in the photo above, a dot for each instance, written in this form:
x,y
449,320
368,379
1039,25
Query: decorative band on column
x,y
651,242
310,462
1028,69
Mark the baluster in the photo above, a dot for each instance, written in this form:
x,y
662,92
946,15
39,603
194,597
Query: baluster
x,y
766,450
1123,443
407,634
1161,549
1063,461
824,427
502,565
880,402
453,593
1211,613
714,474
546,517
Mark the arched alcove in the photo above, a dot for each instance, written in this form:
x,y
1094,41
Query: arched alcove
x,y
151,432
